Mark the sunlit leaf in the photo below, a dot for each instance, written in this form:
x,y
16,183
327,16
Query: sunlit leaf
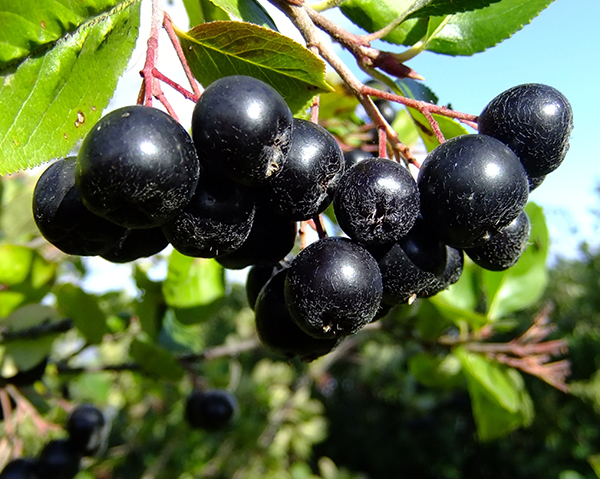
x,y
50,100
218,49
246,11
83,308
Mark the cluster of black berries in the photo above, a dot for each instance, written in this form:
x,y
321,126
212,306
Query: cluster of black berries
x,y
408,238
61,458
237,187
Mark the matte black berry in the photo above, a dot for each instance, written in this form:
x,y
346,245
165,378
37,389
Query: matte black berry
x,y
471,187
59,459
216,221
533,120
276,329
387,110
504,249
135,244
377,201
306,184
333,288
137,167
86,429
271,238
22,468
210,410
62,218
242,129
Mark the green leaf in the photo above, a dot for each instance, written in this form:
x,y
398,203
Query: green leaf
x,y
524,283
151,307
435,371
24,354
194,11
83,308
28,25
246,11
218,49
595,463
51,100
373,15
192,281
155,360
448,7
472,32
25,277
499,399
458,303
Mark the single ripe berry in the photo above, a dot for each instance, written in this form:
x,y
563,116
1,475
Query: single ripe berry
x,y
276,329
257,277
59,459
137,167
306,184
452,272
62,218
377,201
471,187
333,288
216,221
86,429
504,249
534,121
355,156
242,129
210,410
22,468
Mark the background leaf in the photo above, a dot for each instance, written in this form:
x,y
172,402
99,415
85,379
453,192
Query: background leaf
x,y
448,7
472,32
49,101
155,360
499,399
218,49
83,308
247,11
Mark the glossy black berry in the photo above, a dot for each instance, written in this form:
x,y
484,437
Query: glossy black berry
x,y
377,201
242,129
137,167
333,288
471,187
276,329
22,468
210,410
505,248
86,429
534,182
216,221
306,184
135,244
355,156
59,459
62,218
533,120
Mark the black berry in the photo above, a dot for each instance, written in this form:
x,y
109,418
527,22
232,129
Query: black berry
x,y
210,410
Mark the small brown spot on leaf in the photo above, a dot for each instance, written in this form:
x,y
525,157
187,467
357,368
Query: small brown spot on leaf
x,y
65,136
80,119
190,48
43,23
94,108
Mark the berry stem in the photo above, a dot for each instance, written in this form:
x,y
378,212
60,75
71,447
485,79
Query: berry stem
x,y
168,25
149,83
186,93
